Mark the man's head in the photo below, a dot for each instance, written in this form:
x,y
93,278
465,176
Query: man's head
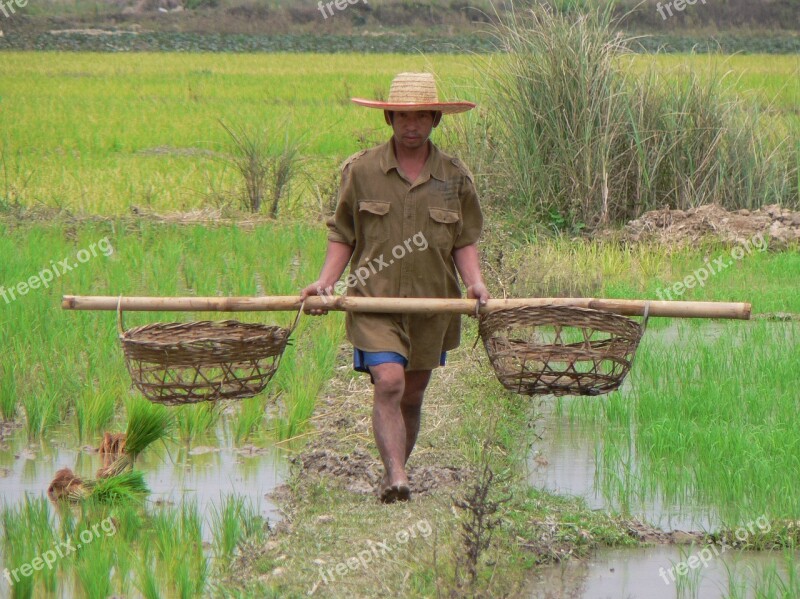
x,y
412,128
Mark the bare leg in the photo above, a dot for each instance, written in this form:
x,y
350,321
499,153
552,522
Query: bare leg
x,y
411,405
388,424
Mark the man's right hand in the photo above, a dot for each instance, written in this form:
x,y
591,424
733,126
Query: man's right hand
x,y
320,289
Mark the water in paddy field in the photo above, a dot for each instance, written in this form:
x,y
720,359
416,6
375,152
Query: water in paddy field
x,y
646,574
568,460
565,459
207,471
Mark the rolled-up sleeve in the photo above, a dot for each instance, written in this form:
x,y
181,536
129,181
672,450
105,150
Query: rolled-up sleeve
x,y
341,226
471,215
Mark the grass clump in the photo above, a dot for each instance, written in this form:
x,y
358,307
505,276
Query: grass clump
x,y
583,141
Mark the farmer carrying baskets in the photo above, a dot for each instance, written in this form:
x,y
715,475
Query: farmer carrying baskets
x,y
407,221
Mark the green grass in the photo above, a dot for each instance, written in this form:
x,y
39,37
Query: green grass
x,y
133,130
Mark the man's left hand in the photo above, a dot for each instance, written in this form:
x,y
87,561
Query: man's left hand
x,y
479,292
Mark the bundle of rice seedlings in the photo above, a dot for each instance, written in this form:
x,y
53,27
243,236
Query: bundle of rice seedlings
x,y
128,486
147,423
67,485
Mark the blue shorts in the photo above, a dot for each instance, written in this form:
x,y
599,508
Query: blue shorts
x,y
362,359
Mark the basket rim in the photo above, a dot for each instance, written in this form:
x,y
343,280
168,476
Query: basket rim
x,y
261,332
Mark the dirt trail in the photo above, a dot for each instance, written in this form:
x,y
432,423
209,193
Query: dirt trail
x,y
343,416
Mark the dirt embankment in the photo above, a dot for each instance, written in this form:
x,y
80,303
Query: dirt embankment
x,y
679,227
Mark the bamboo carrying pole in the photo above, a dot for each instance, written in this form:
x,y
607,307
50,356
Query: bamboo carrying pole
x,y
671,309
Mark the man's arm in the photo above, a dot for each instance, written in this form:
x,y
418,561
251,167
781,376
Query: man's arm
x,y
468,265
336,259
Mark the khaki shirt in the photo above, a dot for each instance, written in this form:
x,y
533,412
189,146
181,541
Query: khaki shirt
x,y
403,236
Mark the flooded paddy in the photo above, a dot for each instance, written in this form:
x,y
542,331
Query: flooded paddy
x,y
693,441
645,574
209,475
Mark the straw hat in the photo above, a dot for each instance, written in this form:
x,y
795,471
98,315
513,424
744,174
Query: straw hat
x,y
415,92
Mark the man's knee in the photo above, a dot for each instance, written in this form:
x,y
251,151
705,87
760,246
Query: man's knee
x,y
415,384
389,379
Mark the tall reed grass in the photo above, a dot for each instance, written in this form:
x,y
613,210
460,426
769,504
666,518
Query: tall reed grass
x,y
579,140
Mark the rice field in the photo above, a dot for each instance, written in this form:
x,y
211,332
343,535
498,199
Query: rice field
x,y
106,133
706,423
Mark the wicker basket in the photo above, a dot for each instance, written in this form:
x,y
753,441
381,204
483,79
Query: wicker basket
x,y
184,363
560,350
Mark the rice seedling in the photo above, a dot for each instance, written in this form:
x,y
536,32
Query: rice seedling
x,y
147,583
124,487
227,526
8,388
93,567
195,420
94,410
27,533
147,423
249,417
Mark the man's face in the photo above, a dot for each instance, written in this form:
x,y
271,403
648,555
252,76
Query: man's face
x,y
412,129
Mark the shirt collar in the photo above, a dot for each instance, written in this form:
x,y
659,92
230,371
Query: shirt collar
x,y
433,167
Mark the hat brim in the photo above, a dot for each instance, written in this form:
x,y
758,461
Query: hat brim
x,y
443,107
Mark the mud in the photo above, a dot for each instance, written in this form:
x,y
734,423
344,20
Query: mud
x,y
360,472
679,227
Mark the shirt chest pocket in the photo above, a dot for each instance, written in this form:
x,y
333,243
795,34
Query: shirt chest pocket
x,y
374,216
443,227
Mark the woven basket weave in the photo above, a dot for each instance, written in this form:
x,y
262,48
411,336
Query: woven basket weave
x,y
184,363
560,350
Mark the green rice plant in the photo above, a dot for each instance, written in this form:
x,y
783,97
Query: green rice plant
x,y
8,391
120,488
147,423
41,412
17,550
194,420
249,417
302,376
94,410
147,583
93,567
27,533
226,526
177,538
254,526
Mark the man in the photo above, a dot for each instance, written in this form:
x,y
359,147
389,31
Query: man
x,y
407,216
